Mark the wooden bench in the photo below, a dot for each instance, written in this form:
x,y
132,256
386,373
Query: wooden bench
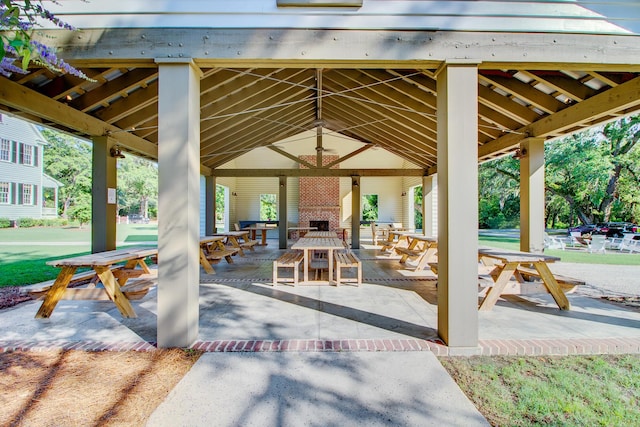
x,y
347,259
567,284
135,289
248,244
288,260
38,291
217,254
408,253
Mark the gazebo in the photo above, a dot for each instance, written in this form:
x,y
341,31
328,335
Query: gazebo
x,y
442,84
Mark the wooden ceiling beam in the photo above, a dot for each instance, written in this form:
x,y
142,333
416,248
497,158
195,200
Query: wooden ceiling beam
x,y
399,92
515,111
267,173
600,107
112,88
567,86
379,130
410,124
31,102
262,95
217,128
384,137
133,103
229,82
525,93
243,138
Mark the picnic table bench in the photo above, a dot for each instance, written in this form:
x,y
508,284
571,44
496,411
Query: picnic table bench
x,y
102,263
213,250
509,264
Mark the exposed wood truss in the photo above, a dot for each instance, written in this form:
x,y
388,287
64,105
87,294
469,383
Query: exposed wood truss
x,y
393,108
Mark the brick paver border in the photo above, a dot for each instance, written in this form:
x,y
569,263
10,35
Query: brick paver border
x,y
533,347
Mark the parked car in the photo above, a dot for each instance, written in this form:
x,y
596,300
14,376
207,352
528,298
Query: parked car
x,y
138,219
615,229
583,229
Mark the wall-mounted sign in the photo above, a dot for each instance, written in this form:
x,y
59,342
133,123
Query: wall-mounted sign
x,y
111,196
320,3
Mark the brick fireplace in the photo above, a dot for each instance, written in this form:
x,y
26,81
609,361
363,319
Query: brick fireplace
x,y
319,197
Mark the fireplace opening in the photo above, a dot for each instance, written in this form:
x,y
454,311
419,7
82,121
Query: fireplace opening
x,y
320,225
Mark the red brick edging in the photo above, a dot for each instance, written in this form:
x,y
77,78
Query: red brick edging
x,y
485,347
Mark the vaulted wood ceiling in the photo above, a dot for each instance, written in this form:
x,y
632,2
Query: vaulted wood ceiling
x,y
395,109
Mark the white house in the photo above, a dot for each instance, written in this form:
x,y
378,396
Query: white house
x,y
25,190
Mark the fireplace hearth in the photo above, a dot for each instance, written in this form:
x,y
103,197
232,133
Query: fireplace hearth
x,y
320,225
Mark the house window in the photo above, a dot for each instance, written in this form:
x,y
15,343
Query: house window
x,y
27,194
268,210
26,154
370,207
5,150
4,193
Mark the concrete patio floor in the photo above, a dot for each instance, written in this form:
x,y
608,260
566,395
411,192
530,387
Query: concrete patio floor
x,y
326,355
240,305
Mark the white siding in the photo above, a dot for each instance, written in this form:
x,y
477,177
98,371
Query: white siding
x,y
488,15
15,173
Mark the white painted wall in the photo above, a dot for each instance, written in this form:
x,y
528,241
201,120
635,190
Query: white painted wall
x,y
245,205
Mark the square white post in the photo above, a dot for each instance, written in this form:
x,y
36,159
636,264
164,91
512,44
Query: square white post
x,y
103,182
532,195
355,212
427,205
457,85
178,202
210,205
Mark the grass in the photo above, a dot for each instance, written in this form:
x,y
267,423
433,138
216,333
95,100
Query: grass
x,y
569,255
553,391
24,263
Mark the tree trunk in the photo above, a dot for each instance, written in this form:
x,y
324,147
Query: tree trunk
x,y
607,199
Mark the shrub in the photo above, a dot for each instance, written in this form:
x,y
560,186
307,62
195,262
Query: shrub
x,y
5,223
28,222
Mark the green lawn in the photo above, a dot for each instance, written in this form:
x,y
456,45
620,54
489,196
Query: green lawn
x,y
25,263
568,255
551,391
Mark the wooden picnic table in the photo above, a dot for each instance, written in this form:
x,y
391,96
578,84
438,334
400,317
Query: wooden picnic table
x,y
511,260
421,248
394,238
310,244
238,239
102,263
263,229
212,248
296,232
321,234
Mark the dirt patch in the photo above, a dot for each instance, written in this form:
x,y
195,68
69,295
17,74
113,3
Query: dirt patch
x,y
55,388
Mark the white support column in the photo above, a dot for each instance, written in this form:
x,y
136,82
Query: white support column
x,y
427,205
103,195
179,202
457,85
355,212
532,195
210,205
282,212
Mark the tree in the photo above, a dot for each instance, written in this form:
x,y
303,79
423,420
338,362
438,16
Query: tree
x,y
499,193
588,170
68,160
81,209
370,207
18,21
138,182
